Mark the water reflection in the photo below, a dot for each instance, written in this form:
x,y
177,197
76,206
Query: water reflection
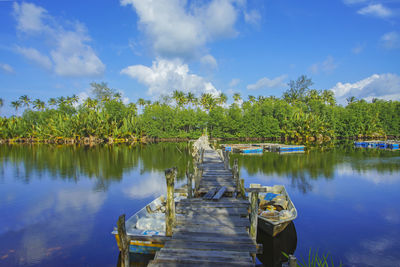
x,y
105,163
301,169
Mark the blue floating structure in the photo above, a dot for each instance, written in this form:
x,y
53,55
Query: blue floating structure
x,y
377,144
248,150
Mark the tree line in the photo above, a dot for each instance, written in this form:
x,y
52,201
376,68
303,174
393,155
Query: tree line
x,y
301,113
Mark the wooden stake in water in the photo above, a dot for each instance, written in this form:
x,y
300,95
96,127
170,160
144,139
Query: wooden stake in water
x,y
253,215
189,177
292,261
170,175
123,240
242,190
235,171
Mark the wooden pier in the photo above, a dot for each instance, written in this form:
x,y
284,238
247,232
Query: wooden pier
x,y
212,228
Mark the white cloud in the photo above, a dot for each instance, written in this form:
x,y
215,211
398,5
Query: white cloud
x,y
164,76
210,61
29,17
6,68
358,49
383,86
35,56
265,83
177,29
376,10
234,82
327,66
70,55
252,17
391,40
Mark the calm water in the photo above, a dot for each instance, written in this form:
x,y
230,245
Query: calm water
x,y
58,204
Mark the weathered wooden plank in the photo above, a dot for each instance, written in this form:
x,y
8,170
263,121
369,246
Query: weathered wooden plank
x,y
203,190
208,229
216,204
199,259
222,199
206,253
225,239
216,184
214,222
166,263
210,193
199,210
211,246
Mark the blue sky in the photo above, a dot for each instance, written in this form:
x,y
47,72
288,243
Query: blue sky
x,y
149,48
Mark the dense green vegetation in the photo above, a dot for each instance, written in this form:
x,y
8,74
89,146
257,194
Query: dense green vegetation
x,y
301,113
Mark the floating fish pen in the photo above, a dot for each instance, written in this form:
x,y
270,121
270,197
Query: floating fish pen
x,y
378,144
248,150
286,148
260,147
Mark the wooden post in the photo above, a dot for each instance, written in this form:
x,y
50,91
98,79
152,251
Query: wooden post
x,y
253,215
226,160
242,190
189,177
124,241
170,175
292,261
236,173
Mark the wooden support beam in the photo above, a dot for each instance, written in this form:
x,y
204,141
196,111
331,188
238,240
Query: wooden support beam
x,y
235,171
242,191
253,215
170,175
189,177
124,241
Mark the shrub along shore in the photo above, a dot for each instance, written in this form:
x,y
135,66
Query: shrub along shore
x,y
301,114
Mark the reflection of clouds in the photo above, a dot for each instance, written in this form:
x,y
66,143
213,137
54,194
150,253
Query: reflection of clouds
x,y
369,175
151,186
65,215
391,216
374,253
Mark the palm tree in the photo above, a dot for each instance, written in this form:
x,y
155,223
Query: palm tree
x,y
38,104
16,104
222,98
117,96
207,101
141,103
52,102
191,98
252,99
61,100
25,100
237,97
351,99
179,98
74,99
329,97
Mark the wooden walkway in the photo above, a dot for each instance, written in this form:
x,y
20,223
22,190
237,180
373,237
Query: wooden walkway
x,y
211,229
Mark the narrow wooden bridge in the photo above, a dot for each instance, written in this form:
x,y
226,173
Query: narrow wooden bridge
x,y
211,228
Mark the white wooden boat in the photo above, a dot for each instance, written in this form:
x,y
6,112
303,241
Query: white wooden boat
x,y
146,228
275,212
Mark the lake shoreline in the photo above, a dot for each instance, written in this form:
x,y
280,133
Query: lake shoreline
x,y
96,141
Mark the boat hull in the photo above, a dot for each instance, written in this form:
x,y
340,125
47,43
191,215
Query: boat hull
x,y
142,246
271,229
